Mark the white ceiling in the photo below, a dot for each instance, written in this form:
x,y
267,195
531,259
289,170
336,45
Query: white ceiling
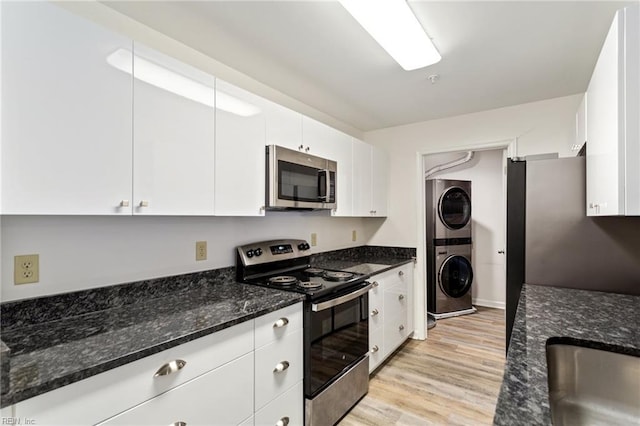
x,y
494,54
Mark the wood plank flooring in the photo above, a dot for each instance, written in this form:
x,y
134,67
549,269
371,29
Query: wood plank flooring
x,y
452,378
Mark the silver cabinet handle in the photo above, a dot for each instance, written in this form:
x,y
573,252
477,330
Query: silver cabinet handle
x,y
170,367
283,421
375,284
401,297
401,273
281,323
124,203
375,349
178,424
374,312
281,366
401,327
500,251
144,203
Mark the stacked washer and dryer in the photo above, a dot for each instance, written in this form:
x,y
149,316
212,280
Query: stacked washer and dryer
x,y
449,270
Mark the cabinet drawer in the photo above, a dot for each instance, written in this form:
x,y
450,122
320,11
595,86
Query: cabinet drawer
x,y
269,381
212,398
289,405
395,300
396,331
275,325
376,348
375,294
376,315
106,394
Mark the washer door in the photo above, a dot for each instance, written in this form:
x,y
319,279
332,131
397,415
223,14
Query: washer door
x,y
455,276
454,208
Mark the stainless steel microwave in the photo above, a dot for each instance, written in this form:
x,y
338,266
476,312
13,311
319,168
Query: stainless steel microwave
x,y
297,180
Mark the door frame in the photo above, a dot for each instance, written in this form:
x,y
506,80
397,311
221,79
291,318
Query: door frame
x,y
420,279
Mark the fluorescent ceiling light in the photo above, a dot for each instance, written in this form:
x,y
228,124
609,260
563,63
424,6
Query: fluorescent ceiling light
x,y
394,26
168,80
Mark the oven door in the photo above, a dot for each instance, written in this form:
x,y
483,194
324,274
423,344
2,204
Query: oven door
x,y
336,337
300,180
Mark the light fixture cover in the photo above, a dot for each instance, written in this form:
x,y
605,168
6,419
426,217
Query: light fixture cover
x,y
173,82
394,26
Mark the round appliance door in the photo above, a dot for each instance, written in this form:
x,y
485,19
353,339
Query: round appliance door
x,y
454,208
455,276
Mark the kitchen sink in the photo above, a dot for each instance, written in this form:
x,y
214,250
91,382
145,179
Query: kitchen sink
x,y
592,386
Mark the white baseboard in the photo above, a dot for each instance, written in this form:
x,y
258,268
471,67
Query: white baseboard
x,y
489,303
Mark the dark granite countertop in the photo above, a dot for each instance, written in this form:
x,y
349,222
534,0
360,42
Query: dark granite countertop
x,y
47,355
607,319
367,266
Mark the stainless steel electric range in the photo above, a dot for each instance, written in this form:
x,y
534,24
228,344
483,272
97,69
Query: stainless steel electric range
x,y
336,323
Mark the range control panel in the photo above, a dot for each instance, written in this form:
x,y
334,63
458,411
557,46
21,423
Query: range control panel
x,y
272,251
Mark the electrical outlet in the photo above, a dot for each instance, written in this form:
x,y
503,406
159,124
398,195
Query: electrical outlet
x,y
354,236
314,239
201,250
26,269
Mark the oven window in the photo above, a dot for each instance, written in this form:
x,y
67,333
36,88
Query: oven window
x,y
339,338
298,183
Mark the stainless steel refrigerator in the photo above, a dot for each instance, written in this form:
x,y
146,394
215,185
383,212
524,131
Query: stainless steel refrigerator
x,y
551,241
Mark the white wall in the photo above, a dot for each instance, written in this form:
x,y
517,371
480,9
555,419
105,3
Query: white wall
x,y
540,127
485,172
82,252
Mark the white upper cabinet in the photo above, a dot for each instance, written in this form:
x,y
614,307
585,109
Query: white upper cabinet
x,y
581,127
362,178
327,142
173,136
370,180
613,124
240,151
66,114
379,182
283,126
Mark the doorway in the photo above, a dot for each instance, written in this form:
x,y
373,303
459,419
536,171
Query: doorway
x,y
486,171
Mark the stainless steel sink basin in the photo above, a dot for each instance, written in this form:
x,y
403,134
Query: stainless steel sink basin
x,y
589,386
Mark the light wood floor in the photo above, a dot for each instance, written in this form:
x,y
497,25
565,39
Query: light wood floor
x,y
452,378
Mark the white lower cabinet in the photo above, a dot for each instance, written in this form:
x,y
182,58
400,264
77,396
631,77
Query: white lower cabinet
x,y
278,367
208,381
288,408
391,312
218,397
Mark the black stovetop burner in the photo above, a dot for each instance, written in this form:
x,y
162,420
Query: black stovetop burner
x,y
313,282
284,265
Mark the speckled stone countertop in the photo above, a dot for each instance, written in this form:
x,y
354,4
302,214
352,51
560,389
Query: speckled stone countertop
x,y
59,351
367,260
605,319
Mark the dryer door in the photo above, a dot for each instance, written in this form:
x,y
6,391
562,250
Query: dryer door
x,y
454,208
455,276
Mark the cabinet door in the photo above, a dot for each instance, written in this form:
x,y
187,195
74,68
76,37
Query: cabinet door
x,y
604,175
581,127
613,128
240,153
287,408
173,171
379,182
327,142
217,397
283,127
361,179
66,114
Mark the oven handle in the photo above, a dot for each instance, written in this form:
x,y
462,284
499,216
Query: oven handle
x,y
327,184
316,307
